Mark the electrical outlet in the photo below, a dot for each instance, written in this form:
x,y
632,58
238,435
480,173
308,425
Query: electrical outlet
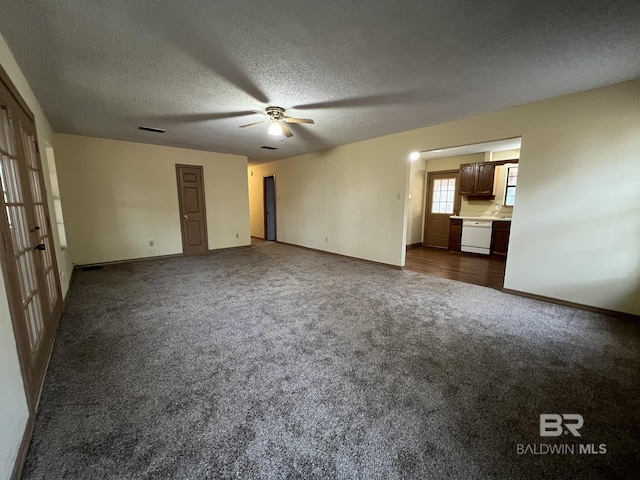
x,y
326,239
151,243
237,236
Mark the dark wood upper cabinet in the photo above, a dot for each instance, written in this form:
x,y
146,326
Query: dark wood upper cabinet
x,y
484,178
467,179
476,179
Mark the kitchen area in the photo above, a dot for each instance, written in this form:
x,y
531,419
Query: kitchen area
x,y
461,203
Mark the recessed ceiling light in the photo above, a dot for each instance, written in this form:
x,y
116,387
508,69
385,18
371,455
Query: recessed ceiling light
x,y
413,156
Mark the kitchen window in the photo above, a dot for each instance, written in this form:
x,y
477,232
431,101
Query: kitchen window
x,y
444,191
510,193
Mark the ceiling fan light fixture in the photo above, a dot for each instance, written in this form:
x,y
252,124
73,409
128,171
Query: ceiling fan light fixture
x,y
275,129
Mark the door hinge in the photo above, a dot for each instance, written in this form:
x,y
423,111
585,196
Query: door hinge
x,y
4,242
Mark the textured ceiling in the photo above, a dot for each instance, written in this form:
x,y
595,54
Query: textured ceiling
x,y
359,69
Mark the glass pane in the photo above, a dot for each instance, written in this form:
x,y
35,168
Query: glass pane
x,y
55,188
436,196
35,324
10,182
35,186
57,207
51,288
450,194
18,227
449,207
6,137
62,235
30,151
436,185
41,218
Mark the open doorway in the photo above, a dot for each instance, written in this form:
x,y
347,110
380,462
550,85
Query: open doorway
x,y
463,185
270,208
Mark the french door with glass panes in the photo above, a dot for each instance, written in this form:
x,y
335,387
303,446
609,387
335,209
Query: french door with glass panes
x,y
27,249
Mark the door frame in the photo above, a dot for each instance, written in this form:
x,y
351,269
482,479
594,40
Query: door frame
x,y
428,195
204,207
264,205
10,274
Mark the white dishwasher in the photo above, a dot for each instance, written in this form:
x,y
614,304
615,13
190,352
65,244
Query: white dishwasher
x,y
476,236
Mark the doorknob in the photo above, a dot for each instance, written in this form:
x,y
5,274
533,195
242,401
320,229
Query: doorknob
x,y
40,247
186,217
35,229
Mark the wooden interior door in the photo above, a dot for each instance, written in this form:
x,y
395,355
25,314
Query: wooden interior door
x,y
442,202
27,252
193,217
270,208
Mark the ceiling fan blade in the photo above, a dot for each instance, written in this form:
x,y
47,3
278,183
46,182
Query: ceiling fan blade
x,y
286,131
254,123
298,120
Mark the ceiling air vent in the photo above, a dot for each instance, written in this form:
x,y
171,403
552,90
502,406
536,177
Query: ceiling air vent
x,y
268,148
152,129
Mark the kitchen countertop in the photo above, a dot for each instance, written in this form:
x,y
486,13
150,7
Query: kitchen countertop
x,y
484,219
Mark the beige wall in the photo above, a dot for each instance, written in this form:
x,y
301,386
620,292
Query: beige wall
x,y
506,155
415,218
13,404
349,200
118,196
576,224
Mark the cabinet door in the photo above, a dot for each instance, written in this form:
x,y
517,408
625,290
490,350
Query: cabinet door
x,y
484,178
455,234
467,179
500,238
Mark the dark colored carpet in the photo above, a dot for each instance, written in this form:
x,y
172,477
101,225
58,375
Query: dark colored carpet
x,y
277,362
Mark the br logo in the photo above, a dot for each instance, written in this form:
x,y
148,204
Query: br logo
x,y
554,425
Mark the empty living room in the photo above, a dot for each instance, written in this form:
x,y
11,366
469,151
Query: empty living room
x,y
319,240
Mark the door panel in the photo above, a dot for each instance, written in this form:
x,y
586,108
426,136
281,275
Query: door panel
x,y
193,218
270,208
27,253
442,202
467,179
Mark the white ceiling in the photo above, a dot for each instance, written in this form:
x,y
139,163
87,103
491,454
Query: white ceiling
x,y
359,69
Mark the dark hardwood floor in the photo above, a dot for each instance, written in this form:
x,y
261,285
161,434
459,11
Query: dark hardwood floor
x,y
464,267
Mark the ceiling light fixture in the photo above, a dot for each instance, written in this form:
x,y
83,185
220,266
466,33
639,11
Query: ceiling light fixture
x,y
413,156
275,129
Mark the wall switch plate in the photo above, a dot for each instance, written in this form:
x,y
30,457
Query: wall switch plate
x,y
237,236
151,243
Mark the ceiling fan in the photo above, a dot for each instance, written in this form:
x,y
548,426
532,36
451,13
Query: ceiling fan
x,y
275,116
